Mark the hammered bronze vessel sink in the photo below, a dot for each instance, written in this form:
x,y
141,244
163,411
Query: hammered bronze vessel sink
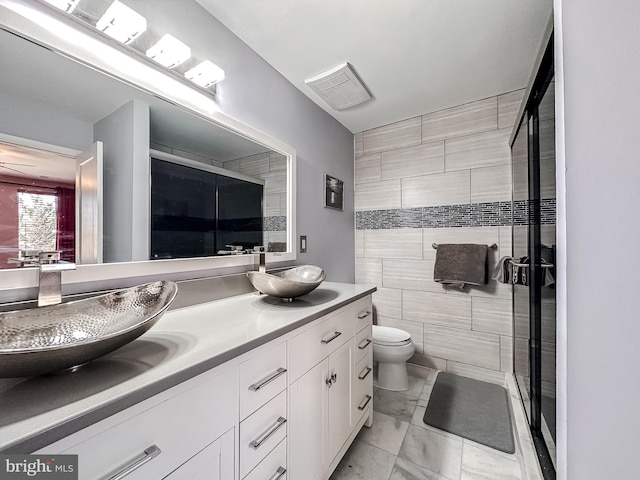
x,y
58,337
288,284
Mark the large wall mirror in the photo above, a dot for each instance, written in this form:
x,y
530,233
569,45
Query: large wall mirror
x,y
109,171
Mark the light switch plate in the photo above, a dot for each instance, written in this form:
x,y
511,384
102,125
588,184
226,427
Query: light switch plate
x,y
303,244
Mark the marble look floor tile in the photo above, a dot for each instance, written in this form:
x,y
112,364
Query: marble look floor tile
x,y
394,404
482,464
366,462
423,399
418,370
386,433
405,470
433,451
416,384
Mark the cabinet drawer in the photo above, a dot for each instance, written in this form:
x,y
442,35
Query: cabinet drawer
x,y
215,462
261,432
180,426
273,467
262,378
311,346
362,388
364,312
363,341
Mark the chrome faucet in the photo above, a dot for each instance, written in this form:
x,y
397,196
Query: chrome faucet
x,y
262,258
50,283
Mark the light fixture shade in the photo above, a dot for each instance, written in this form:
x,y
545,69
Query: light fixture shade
x,y
122,23
66,5
169,51
205,74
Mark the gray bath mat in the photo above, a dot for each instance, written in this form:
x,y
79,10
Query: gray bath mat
x,y
472,409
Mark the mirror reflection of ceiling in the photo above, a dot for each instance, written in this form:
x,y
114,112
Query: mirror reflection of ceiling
x,y
32,163
42,77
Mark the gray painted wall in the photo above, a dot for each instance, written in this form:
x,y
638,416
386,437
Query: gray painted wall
x,y
254,93
127,186
598,73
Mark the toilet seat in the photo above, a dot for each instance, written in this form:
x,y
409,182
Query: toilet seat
x,y
390,336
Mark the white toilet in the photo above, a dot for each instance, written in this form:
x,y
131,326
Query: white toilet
x,y
392,347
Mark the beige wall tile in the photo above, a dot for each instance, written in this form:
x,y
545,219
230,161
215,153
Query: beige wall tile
x,y
255,165
472,348
359,243
429,361
369,270
414,328
396,135
413,161
393,243
520,172
492,289
358,144
491,184
465,119
274,182
387,302
491,315
508,107
438,189
478,373
277,162
480,150
505,242
367,168
410,274
378,195
272,204
506,354
437,308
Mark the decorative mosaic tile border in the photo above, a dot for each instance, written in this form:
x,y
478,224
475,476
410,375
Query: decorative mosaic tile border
x,y
488,214
275,224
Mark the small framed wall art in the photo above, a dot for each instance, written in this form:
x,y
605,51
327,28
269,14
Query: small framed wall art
x,y
333,192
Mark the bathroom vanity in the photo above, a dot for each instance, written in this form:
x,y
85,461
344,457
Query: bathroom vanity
x,y
247,387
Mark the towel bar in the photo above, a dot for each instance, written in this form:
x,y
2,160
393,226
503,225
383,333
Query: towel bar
x,y
493,245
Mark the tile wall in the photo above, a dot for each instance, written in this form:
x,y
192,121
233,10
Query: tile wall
x,y
443,177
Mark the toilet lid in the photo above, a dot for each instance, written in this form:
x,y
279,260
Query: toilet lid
x,y
389,335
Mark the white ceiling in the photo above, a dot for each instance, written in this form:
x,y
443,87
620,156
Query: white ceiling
x,y
415,56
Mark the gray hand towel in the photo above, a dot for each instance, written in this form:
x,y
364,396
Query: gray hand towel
x,y
460,263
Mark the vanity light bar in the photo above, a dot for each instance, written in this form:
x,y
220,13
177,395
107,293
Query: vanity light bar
x,y
169,51
122,23
205,74
66,5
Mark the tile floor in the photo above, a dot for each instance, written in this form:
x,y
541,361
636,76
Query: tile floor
x,y
400,446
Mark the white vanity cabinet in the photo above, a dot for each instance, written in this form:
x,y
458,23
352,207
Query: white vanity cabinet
x,y
161,436
323,395
289,408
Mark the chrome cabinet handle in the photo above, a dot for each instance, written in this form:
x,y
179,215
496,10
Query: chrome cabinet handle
x,y
279,473
364,403
267,380
365,373
364,315
149,454
366,342
265,436
332,338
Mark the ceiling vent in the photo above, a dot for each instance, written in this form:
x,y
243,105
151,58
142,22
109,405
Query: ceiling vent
x,y
340,87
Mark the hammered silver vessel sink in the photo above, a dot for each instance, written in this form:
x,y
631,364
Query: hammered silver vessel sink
x,y
288,284
58,337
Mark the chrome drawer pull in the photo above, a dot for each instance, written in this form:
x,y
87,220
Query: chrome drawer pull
x,y
265,381
149,454
366,401
331,380
365,373
332,338
366,342
265,436
279,473
364,315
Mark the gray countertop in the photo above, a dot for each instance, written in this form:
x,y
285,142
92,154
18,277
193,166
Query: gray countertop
x,y
35,412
